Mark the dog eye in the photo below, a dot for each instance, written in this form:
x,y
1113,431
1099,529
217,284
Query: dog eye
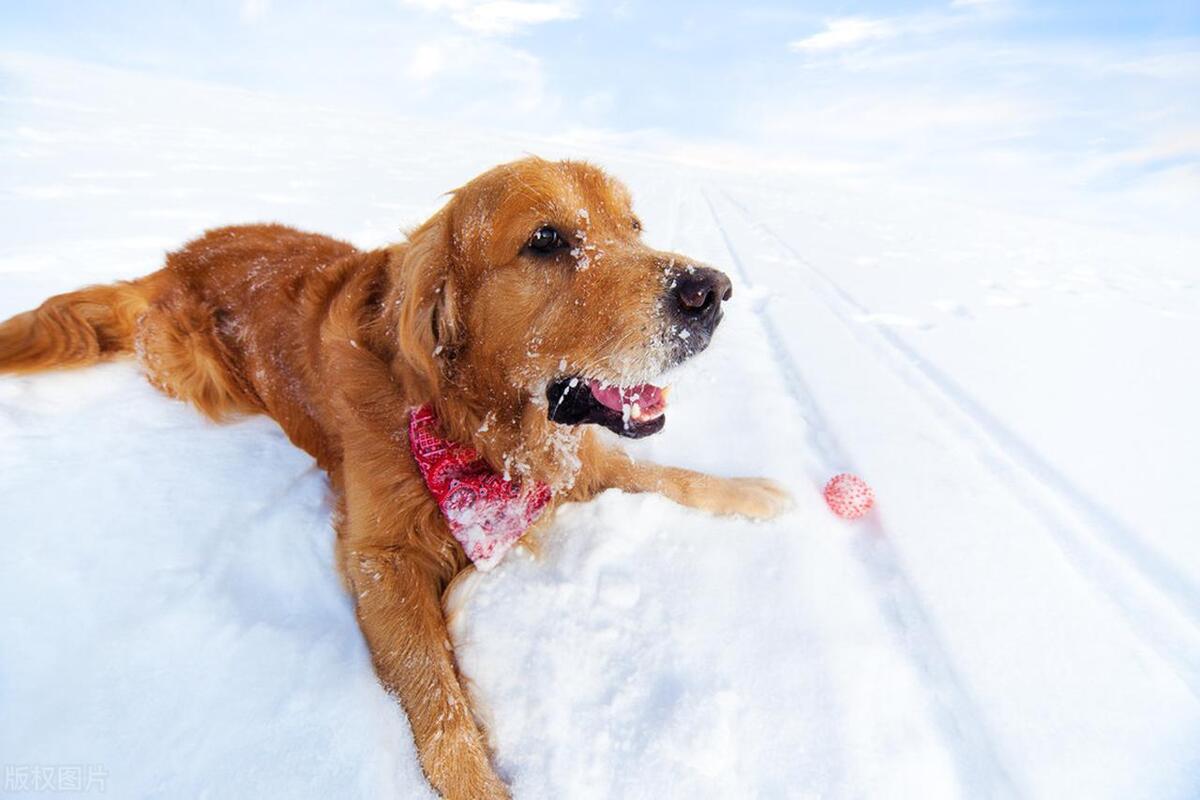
x,y
545,240
637,223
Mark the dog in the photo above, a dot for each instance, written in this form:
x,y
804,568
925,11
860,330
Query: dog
x,y
500,335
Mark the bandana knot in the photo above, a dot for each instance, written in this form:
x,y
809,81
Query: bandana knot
x,y
487,513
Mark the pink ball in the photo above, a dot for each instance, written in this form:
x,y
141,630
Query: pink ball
x,y
849,496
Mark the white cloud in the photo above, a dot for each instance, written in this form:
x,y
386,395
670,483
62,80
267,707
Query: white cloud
x,y
472,77
506,16
470,66
427,60
846,32
253,10
500,17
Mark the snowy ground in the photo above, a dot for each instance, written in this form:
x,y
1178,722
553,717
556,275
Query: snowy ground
x,y
1020,618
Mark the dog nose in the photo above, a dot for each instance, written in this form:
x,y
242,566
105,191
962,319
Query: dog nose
x,y
699,293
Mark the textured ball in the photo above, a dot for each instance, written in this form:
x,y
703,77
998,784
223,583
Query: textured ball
x,y
849,496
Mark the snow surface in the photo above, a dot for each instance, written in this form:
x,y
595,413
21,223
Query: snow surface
x,y
1020,616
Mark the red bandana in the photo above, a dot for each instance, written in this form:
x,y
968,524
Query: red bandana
x,y
486,512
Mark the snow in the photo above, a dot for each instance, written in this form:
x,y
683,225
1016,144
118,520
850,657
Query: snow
x,y
1020,616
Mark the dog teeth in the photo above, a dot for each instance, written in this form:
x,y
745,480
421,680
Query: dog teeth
x,y
636,413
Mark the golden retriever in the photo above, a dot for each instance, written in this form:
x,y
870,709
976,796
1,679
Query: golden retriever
x,y
524,313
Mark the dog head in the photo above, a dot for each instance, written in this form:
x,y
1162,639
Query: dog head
x,y
532,287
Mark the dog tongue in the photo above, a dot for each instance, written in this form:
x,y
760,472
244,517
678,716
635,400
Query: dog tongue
x,y
647,397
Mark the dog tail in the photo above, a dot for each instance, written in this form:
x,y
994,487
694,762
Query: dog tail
x,y
74,329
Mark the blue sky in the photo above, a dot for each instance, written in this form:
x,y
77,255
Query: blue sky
x,y
1101,95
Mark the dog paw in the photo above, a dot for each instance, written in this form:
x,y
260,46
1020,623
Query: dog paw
x,y
455,759
488,787
471,783
757,498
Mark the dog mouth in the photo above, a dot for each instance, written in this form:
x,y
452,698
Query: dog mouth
x,y
630,411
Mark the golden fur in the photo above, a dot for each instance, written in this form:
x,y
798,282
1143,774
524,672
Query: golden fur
x,y
337,344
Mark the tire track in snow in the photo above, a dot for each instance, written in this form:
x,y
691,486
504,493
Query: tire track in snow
x,y
1140,582
961,723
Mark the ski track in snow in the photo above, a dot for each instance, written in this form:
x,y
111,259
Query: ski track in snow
x,y
962,724
1160,603
998,627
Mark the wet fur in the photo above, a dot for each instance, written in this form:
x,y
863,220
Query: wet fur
x,y
336,344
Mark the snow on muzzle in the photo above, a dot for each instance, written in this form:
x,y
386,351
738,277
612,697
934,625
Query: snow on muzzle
x,y
694,296
693,308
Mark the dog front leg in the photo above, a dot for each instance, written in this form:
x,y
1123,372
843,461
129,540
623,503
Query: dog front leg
x,y
757,498
400,613
397,586
396,559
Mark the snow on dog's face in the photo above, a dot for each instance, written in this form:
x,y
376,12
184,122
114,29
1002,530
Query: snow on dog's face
x,y
544,294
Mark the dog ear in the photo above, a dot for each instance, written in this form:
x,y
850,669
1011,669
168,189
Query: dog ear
x,y
429,331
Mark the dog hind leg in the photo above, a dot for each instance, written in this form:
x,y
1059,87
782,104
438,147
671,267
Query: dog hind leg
x,y
185,356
